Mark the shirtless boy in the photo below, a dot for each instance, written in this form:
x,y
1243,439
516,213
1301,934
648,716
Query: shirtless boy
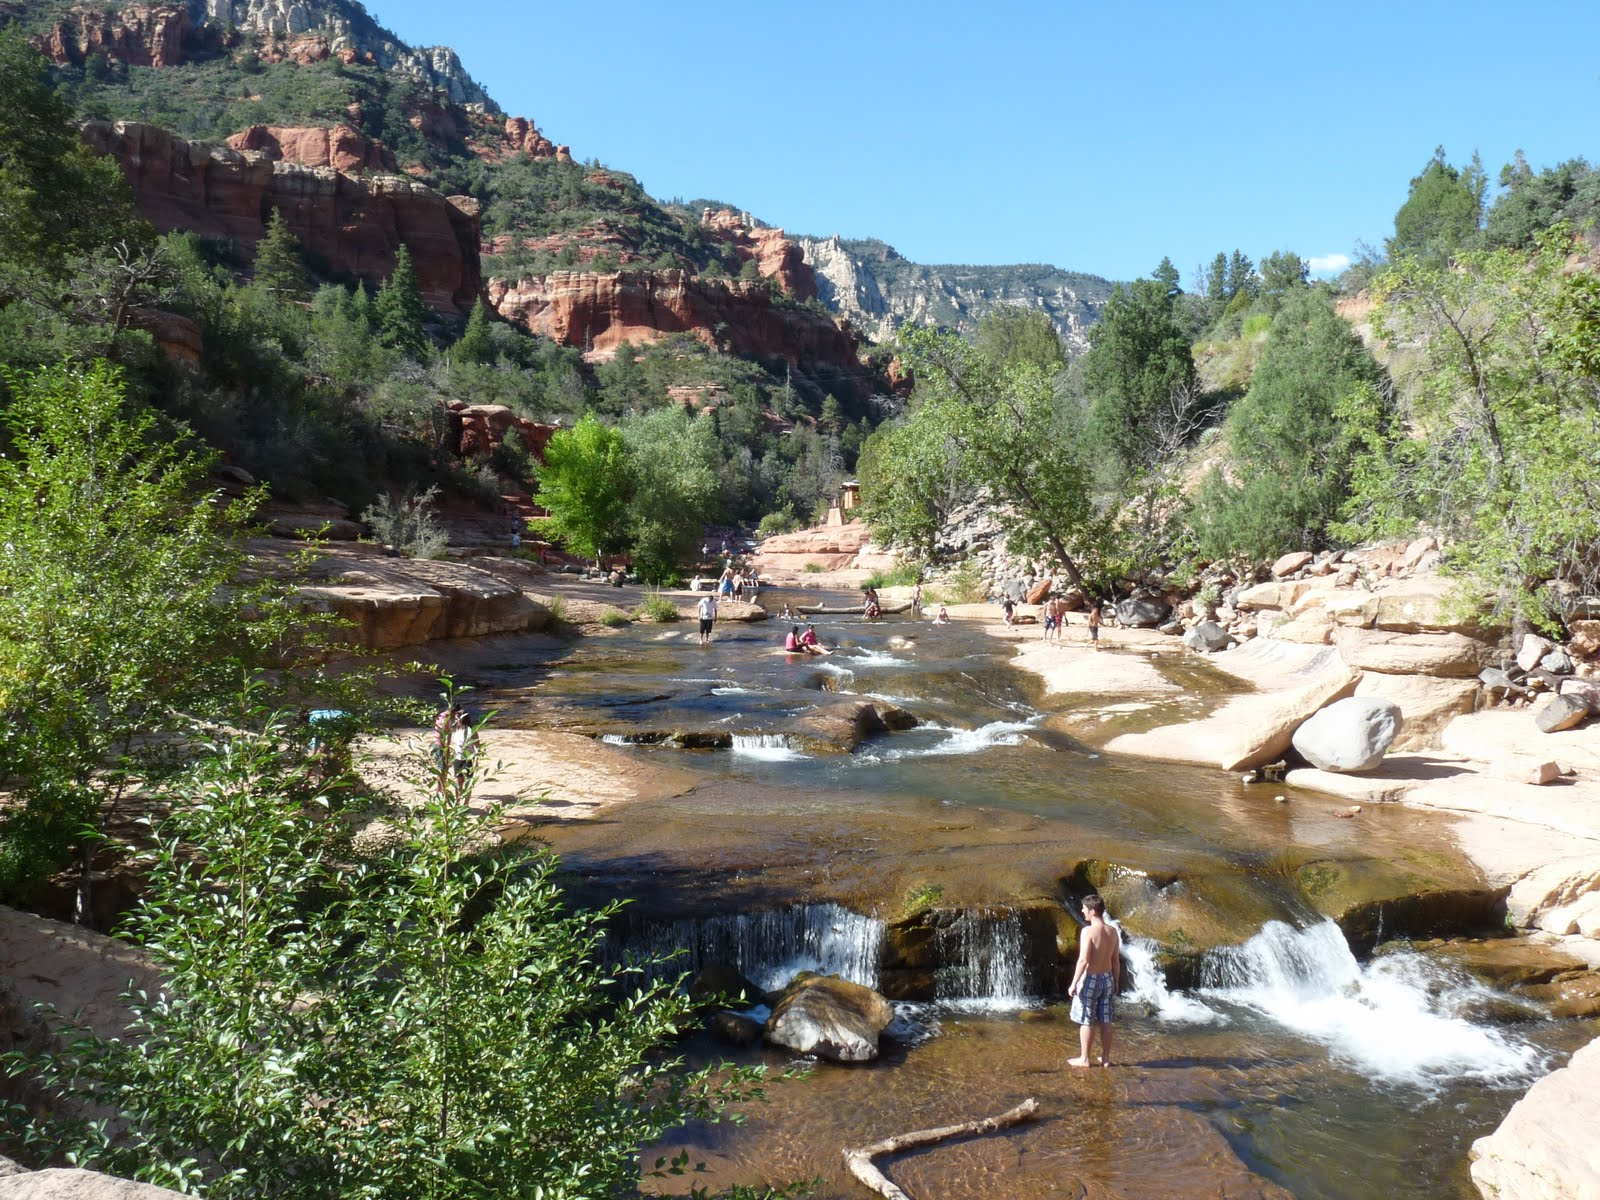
x,y
1094,983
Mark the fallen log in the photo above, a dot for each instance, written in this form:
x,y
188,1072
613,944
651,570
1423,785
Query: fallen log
x,y
825,610
860,1161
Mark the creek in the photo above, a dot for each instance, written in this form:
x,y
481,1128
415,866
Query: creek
x,y
1276,1037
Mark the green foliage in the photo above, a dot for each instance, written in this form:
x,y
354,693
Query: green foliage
x,y
117,606
656,607
963,586
58,199
278,268
1442,213
1014,335
781,521
903,575
475,345
1138,363
1497,445
400,310
812,568
431,1020
409,522
1290,458
586,486
1533,203
675,487
614,618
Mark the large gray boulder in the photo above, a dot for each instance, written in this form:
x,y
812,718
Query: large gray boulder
x,y
829,1017
1142,612
1562,713
63,1183
1350,735
1208,637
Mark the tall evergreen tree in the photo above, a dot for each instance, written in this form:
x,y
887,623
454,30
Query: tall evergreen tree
x,y
401,311
1443,212
475,345
278,266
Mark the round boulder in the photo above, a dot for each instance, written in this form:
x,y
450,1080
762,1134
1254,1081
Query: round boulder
x,y
829,1017
1207,637
1141,612
1350,734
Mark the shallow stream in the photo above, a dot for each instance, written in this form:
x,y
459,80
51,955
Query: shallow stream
x,y
1288,1063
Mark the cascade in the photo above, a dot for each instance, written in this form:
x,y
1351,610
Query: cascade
x,y
983,963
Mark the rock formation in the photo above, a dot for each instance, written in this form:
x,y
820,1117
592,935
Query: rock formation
x,y
776,257
341,147
1544,1149
139,35
876,289
354,224
828,1017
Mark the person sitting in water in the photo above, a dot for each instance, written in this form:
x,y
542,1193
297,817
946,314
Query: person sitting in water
x,y
944,616
791,641
809,643
786,613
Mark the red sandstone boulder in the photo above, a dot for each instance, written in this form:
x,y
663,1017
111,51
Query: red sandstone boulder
x,y
341,147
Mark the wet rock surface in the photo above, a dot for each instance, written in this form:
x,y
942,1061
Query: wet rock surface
x,y
830,1018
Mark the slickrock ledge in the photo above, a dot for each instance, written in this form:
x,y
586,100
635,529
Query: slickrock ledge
x,y
1545,1149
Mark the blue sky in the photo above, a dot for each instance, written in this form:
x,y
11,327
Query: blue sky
x,y
1097,138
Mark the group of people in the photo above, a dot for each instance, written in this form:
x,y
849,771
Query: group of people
x,y
796,642
734,584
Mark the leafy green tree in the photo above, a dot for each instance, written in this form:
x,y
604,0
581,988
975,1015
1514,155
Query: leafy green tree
x,y
427,1018
1497,446
1014,437
278,266
1241,276
1166,273
1534,203
1281,273
676,487
1290,461
1012,335
402,316
1138,361
912,478
587,486
117,606
58,199
1442,213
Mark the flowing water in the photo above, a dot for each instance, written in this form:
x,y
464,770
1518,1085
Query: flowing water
x,y
1287,1064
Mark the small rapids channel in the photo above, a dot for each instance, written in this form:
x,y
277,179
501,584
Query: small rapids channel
x,y
938,864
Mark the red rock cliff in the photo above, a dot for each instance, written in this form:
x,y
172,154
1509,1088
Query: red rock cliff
x,y
775,256
600,312
139,35
342,148
354,224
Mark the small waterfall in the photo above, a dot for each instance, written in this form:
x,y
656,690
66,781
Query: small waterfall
x,y
1400,1017
983,962
768,948
1146,985
774,747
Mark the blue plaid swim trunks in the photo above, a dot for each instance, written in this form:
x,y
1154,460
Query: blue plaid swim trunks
x,y
1095,1000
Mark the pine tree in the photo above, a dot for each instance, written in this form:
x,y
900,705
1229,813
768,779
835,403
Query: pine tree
x,y
278,266
474,345
401,312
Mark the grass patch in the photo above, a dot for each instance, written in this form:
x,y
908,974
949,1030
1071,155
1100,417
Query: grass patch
x,y
656,607
557,607
904,575
813,568
614,618
920,898
965,586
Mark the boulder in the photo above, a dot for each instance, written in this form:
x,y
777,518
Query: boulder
x,y
1533,771
1557,662
1039,591
829,1017
839,727
1349,735
1587,690
1207,637
736,1029
1263,595
719,984
1142,612
1563,712
1533,648
1544,1149
1428,702
1451,655
1417,551
1290,563
64,1183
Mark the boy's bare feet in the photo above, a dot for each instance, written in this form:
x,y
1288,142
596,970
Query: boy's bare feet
x,y
1077,1062
1105,1062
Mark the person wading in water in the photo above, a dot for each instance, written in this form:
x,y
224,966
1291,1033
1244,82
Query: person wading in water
x,y
1094,981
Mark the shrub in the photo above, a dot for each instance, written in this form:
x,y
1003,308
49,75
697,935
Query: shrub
x,y
813,568
781,521
431,1021
614,618
408,523
656,607
964,586
904,575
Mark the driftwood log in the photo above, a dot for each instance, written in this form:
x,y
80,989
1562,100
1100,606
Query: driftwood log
x,y
860,1161
854,609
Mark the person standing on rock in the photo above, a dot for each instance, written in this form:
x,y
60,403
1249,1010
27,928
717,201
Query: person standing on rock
x,y
1095,981
708,618
1094,622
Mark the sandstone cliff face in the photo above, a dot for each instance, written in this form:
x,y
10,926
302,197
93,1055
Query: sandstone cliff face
x,y
478,429
879,291
341,147
139,35
775,255
354,224
600,312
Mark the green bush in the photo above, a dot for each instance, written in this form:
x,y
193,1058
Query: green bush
x,y
963,586
656,607
408,523
812,568
430,1019
781,521
614,618
904,575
